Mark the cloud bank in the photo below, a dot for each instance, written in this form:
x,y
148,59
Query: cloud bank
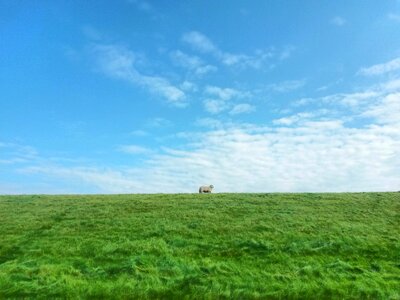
x,y
311,151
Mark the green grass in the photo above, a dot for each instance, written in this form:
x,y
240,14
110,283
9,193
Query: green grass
x,y
201,246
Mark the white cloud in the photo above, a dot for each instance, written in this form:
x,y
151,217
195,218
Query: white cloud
x,y
287,86
302,102
392,85
317,152
355,100
115,61
188,86
293,119
13,153
286,52
133,149
162,86
209,123
203,44
358,98
215,106
186,60
118,62
242,108
205,69
320,156
11,161
200,42
223,93
105,180
349,100
386,110
338,21
255,61
380,69
192,63
220,100
158,122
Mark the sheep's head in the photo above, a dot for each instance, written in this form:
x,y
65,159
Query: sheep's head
x,y
211,186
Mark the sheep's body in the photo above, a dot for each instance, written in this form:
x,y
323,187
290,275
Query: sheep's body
x,y
206,189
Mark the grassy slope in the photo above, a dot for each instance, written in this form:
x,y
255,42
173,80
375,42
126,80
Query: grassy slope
x,y
225,245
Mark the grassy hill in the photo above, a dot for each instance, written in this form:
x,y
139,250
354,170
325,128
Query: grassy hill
x,y
201,246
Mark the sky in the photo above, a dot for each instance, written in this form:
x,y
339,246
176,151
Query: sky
x,y
140,96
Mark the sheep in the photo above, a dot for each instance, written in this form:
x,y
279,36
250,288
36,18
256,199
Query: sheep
x,y
206,189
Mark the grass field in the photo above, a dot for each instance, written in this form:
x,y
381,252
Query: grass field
x,y
201,246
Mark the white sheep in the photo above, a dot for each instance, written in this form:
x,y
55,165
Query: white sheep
x,y
206,189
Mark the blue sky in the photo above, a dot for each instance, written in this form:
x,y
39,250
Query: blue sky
x,y
136,96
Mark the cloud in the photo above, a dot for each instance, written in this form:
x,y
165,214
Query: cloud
x,y
287,86
380,69
286,52
104,180
206,69
158,122
318,156
12,161
242,108
338,21
200,42
223,93
192,63
356,100
119,62
188,86
215,106
255,61
133,149
220,100
375,105
386,110
209,123
14,153
392,85
311,151
293,119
